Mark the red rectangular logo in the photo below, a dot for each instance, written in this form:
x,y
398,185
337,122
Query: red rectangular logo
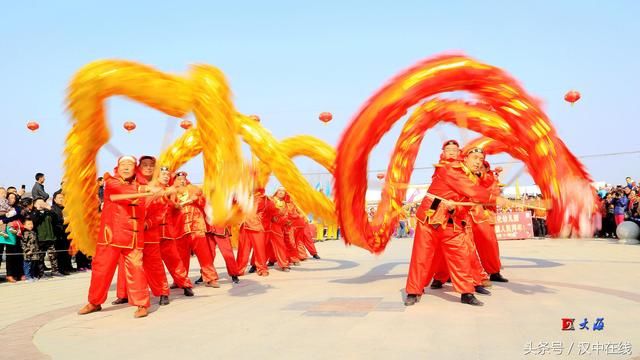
x,y
567,324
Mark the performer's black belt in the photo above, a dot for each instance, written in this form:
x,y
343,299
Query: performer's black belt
x,y
435,204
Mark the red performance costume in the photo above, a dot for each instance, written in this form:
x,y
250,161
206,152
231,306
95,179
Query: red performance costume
x,y
304,241
121,234
484,232
169,250
191,227
151,259
253,236
451,155
277,218
289,235
221,236
441,226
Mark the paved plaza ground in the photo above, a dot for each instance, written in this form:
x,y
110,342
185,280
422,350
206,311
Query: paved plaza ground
x,y
349,305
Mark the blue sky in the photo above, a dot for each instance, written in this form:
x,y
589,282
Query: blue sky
x,y
289,60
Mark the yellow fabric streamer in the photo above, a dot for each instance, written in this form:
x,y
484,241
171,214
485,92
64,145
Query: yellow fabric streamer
x,y
204,92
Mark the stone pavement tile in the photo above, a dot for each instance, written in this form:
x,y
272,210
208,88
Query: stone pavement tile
x,y
349,306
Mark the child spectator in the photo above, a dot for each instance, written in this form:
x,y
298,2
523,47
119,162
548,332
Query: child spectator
x,y
30,250
38,188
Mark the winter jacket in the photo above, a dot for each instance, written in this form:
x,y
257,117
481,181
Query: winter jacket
x,y
38,192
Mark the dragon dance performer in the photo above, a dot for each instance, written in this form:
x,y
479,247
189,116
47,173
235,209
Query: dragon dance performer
x,y
253,236
289,239
277,219
451,154
221,236
302,235
442,224
151,258
191,227
121,234
164,224
484,229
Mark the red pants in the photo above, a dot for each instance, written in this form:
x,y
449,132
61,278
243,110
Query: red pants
x,y
104,267
198,244
255,240
224,244
456,252
290,244
280,253
268,246
619,218
477,272
153,270
302,252
169,254
303,235
484,235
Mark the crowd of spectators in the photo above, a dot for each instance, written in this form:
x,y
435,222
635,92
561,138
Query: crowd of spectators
x,y
619,203
32,229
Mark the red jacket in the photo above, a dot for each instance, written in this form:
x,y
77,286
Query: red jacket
x,y
191,216
456,183
256,222
297,218
220,231
276,216
122,222
486,213
160,220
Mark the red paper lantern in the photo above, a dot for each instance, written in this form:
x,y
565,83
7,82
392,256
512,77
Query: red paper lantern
x,y
129,126
380,176
325,117
186,124
33,126
572,96
255,117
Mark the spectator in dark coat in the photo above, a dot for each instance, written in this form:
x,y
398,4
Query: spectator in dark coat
x,y
43,221
38,188
60,230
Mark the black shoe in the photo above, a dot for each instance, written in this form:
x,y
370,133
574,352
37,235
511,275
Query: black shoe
x,y
119,301
449,280
188,291
252,269
436,284
316,257
199,281
65,273
164,300
235,279
411,300
470,299
498,278
57,274
271,263
482,290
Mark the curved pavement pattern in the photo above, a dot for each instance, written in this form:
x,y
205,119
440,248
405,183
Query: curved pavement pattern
x,y
347,305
